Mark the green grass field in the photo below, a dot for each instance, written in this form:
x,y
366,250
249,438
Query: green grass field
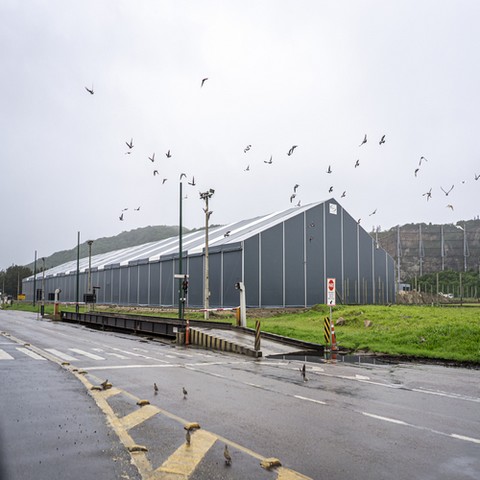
x,y
444,333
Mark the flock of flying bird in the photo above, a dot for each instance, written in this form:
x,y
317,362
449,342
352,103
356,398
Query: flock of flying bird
x,y
293,195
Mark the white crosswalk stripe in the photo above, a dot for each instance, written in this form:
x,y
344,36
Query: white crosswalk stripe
x,y
4,355
59,354
93,356
31,354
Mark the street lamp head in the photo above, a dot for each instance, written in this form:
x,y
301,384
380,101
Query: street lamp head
x,y
89,242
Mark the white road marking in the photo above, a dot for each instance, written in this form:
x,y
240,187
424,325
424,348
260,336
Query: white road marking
x,y
467,439
5,356
122,357
31,354
63,356
120,367
456,396
87,354
386,419
310,399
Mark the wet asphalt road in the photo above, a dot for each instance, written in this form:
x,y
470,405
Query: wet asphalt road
x,y
346,421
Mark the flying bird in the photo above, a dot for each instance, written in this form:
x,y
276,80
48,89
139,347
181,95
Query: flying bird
x,y
226,234
330,190
192,183
269,161
420,162
450,206
155,388
298,204
185,393
203,81
364,140
373,213
459,227
155,172
357,163
291,150
137,209
124,209
248,168
226,455
183,175
164,180
152,158
168,154
446,192
292,196
90,91
130,145
329,169
416,171
247,148
382,140
477,176
295,187
344,194
428,194
121,217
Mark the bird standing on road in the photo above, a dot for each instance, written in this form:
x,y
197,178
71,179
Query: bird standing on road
x,y
185,393
188,438
104,384
226,454
303,371
155,388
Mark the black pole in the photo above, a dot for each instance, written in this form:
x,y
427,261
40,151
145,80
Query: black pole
x,y
78,275
35,279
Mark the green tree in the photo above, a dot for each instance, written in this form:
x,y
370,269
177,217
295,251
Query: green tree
x,y
11,279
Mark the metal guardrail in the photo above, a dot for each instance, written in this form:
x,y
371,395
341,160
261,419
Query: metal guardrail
x,y
162,326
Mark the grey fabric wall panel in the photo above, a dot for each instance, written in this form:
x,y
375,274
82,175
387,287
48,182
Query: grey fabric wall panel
x,y
108,286
294,261
195,281
154,284
133,285
350,260
271,264
315,256
251,274
365,285
232,273
215,279
166,297
124,272
143,280
333,246
116,285
100,283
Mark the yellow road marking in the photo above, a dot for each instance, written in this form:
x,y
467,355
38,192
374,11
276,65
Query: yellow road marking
x,y
183,462
287,474
138,416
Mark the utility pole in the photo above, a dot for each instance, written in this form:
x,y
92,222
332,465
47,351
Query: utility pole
x,y
181,300
399,254
43,287
34,279
442,247
89,284
206,296
77,293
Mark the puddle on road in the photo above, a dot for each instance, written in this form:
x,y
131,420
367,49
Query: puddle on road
x,y
316,357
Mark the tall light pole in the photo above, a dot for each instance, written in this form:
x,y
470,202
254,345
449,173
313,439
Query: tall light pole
x,y
89,284
181,305
43,287
206,296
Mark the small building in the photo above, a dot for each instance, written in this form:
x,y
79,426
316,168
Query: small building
x,y
283,259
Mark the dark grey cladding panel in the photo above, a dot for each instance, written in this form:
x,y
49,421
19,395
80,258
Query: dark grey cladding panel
x,y
116,285
294,261
166,297
333,237
366,272
232,273
195,281
133,285
154,283
100,282
251,254
315,256
271,248
350,259
107,288
143,280
124,274
215,279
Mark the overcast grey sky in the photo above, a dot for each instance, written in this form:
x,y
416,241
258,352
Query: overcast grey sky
x,y
316,74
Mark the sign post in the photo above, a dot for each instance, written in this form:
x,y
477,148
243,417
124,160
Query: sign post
x,y
331,303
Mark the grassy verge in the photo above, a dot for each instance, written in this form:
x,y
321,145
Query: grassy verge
x,y
405,330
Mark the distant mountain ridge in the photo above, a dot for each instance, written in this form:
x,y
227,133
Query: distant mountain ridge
x,y
132,238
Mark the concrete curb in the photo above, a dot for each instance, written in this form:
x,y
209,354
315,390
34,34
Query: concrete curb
x,y
209,341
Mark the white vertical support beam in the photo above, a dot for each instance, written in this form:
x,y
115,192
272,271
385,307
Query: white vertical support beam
x,y
305,286
260,269
342,246
283,264
324,205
